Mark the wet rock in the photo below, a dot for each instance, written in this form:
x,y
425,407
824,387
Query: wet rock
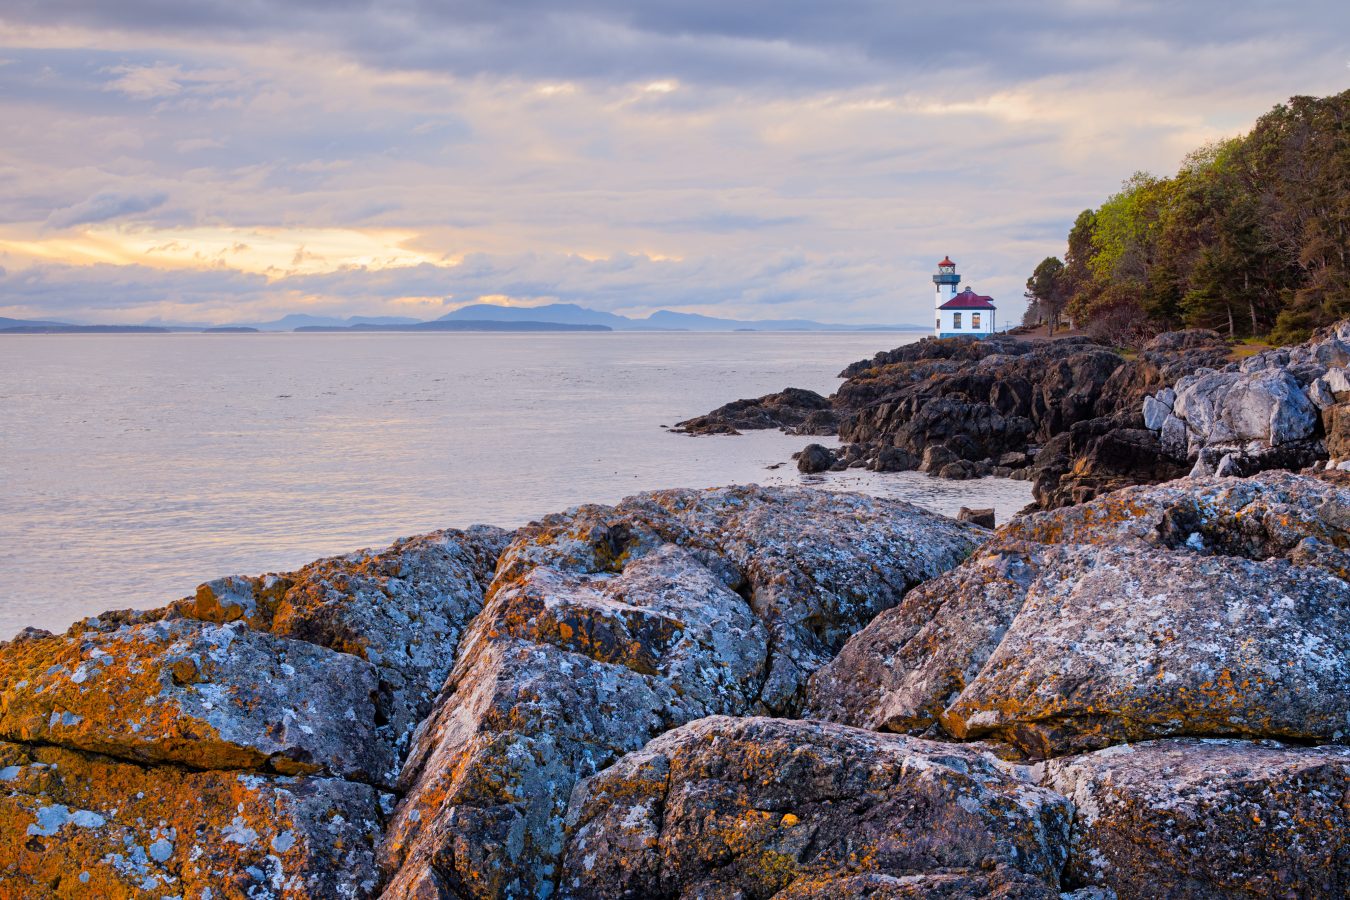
x,y
961,470
197,694
606,626
80,825
935,456
1195,608
1209,818
768,807
893,459
815,458
983,517
794,410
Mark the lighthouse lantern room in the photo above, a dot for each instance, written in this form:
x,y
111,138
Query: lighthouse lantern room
x,y
964,313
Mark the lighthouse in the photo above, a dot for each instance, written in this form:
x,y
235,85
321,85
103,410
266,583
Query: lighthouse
x,y
960,314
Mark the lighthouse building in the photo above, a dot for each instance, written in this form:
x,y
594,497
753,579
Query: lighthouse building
x,y
964,313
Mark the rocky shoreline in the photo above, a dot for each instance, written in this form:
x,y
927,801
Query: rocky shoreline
x,y
1074,416
761,692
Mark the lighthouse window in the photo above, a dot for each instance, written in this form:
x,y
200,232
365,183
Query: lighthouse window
x,y
956,320
974,320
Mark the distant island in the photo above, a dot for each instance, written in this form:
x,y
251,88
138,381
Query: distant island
x,y
478,317
485,325
62,328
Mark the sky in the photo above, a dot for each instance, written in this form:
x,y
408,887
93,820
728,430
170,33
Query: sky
x,y
234,160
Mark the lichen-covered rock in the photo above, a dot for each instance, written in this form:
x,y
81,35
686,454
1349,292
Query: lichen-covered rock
x,y
80,825
402,609
197,694
1201,607
1209,819
761,807
607,626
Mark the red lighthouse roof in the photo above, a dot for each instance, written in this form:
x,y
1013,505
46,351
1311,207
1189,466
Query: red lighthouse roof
x,y
968,299
946,261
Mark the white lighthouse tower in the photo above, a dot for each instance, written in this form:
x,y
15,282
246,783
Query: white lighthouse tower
x,y
964,314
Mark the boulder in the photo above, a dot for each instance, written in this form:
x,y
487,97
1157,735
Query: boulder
x,y
231,744
1201,607
1336,425
1267,408
935,456
606,626
1208,819
768,807
893,459
77,824
982,517
961,470
815,458
197,694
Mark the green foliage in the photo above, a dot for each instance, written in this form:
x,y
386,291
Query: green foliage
x,y
1046,293
1252,235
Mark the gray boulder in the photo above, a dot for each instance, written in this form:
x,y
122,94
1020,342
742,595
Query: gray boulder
x,y
607,626
768,807
1194,608
1208,819
1265,408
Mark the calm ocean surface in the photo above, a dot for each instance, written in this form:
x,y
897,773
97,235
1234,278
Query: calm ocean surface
x,y
133,467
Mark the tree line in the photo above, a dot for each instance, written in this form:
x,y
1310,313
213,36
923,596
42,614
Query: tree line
x,y
1250,237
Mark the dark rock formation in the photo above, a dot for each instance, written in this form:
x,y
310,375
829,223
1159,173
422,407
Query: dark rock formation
x,y
984,517
773,808
964,408
815,458
1201,607
794,410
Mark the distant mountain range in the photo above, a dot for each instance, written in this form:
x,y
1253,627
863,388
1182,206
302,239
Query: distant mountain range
x,y
478,317
661,320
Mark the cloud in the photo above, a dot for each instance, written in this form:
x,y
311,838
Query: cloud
x,y
146,82
754,158
103,207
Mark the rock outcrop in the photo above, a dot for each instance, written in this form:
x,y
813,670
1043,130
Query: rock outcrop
x,y
759,807
1283,408
733,693
1074,415
75,824
607,626
1208,818
794,410
238,743
1201,607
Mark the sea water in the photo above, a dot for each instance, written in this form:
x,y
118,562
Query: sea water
x,y
133,467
